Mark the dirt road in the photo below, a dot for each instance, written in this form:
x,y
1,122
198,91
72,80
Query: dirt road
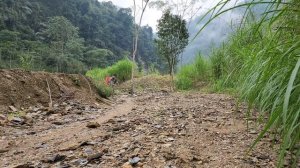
x,y
163,130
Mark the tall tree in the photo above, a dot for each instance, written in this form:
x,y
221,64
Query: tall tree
x,y
186,9
172,39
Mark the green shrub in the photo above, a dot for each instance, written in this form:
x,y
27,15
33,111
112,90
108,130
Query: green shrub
x,y
122,70
190,75
104,90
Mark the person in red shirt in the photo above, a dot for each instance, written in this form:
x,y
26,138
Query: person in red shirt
x,y
107,80
110,81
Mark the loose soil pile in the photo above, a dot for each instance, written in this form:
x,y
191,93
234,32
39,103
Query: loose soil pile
x,y
21,89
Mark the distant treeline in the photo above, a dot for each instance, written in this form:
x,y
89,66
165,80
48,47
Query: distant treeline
x,y
69,36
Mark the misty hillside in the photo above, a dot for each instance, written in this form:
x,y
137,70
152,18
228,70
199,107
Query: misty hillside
x,y
215,33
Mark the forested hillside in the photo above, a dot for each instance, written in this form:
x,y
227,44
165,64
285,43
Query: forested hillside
x,y
69,36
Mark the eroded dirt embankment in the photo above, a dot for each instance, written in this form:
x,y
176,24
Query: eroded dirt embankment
x,y
21,89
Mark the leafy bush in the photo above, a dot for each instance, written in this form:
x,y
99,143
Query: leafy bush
x,y
122,70
190,75
104,90
186,77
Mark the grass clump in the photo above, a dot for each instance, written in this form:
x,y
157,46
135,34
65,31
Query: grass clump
x,y
194,75
261,62
122,70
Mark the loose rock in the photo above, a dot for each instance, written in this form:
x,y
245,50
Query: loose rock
x,y
93,125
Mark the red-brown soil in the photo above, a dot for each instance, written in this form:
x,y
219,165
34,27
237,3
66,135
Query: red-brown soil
x,y
22,89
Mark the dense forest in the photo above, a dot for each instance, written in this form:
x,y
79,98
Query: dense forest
x,y
69,36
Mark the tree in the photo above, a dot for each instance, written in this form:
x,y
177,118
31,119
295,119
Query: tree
x,y
185,9
98,58
59,33
172,39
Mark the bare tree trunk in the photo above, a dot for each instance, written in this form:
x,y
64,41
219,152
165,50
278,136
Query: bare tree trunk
x,y
136,33
172,78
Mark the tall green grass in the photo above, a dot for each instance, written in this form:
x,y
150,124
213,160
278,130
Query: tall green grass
x,y
194,75
261,62
122,70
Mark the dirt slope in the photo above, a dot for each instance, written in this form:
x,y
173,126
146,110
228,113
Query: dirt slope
x,y
21,88
156,130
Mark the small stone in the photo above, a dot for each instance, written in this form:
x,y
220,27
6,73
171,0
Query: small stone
x,y
254,159
170,139
55,158
94,156
31,133
57,123
93,125
87,143
35,109
81,162
111,121
88,151
72,146
157,126
13,108
8,76
17,120
2,117
68,108
3,150
134,160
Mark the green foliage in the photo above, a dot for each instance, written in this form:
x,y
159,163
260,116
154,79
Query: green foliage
x,y
193,75
26,61
60,29
185,77
172,38
261,62
98,57
66,35
122,70
104,90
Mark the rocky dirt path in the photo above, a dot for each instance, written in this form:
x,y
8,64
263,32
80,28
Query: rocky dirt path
x,y
163,130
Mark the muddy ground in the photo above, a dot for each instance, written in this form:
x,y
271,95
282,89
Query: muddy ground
x,y
150,130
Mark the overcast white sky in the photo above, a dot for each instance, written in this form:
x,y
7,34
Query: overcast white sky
x,y
152,15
